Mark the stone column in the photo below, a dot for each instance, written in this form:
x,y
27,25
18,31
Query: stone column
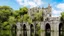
x,y
52,29
42,26
18,33
57,33
56,29
28,29
18,29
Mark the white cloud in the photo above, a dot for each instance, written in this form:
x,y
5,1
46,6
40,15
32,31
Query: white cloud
x,y
58,10
60,6
34,3
20,2
31,3
38,2
56,13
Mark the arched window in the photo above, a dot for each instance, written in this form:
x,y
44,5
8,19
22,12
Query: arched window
x,y
31,30
24,30
47,30
61,31
14,30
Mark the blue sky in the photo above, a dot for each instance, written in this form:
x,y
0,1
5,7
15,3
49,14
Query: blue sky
x,y
57,5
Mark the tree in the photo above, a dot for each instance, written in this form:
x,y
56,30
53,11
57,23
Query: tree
x,y
62,16
21,14
5,12
12,20
38,16
26,18
9,17
24,10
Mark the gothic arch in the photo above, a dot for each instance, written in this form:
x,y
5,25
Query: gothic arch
x,y
61,29
47,30
14,30
31,30
24,30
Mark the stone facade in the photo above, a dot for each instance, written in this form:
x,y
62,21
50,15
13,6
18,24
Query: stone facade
x,y
52,21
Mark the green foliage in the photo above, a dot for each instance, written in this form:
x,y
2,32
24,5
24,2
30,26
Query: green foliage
x,y
23,10
5,12
15,13
62,16
6,25
12,20
9,17
29,20
38,29
26,18
6,33
38,16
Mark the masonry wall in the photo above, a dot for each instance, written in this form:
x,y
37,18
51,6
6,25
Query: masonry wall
x,y
52,21
53,24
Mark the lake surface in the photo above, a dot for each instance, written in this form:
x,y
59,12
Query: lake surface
x,y
45,33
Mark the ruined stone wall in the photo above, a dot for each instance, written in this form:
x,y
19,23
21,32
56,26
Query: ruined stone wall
x,y
52,21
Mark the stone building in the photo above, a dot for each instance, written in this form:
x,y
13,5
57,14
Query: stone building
x,y
50,26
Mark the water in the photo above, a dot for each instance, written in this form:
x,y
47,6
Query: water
x,y
48,33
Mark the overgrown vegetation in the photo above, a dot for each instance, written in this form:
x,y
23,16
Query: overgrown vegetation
x,y
9,16
62,16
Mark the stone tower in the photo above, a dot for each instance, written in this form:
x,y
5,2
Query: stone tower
x,y
32,11
47,12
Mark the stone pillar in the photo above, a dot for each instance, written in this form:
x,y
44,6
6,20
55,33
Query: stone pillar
x,y
56,29
18,33
57,33
52,32
18,29
42,26
28,29
52,29
22,32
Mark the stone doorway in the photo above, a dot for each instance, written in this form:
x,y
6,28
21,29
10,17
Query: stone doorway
x,y
31,30
47,30
61,29
24,30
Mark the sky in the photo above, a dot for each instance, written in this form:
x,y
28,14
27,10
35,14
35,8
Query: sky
x,y
57,5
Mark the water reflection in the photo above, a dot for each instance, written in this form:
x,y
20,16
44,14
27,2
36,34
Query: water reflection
x,y
7,32
61,29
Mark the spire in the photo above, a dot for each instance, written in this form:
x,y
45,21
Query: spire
x,y
49,8
49,5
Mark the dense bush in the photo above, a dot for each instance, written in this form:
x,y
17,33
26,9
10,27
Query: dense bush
x,y
9,17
